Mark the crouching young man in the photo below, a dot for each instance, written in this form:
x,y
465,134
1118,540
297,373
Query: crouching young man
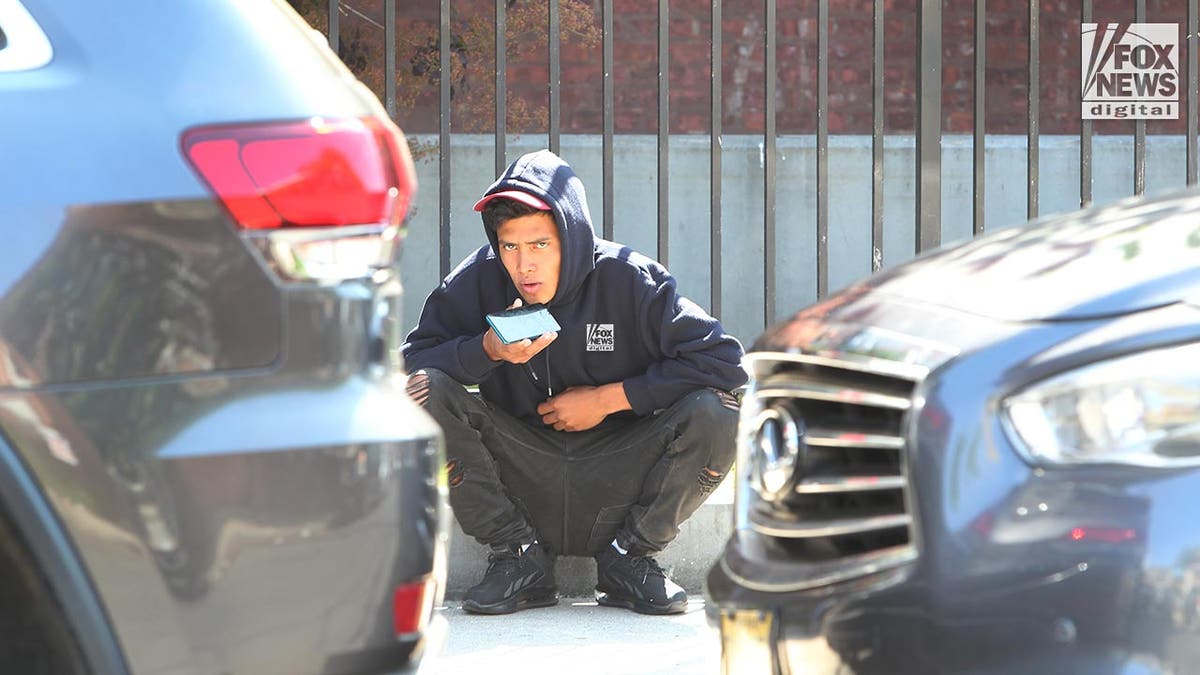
x,y
598,439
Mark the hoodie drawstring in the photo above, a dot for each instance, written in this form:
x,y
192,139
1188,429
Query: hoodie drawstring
x,y
533,373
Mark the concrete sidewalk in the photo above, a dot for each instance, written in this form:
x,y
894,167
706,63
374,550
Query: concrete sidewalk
x,y
577,637
687,560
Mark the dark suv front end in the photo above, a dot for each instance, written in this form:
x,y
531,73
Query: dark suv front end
x,y
981,461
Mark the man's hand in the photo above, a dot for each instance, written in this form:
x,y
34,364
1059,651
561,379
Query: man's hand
x,y
517,352
581,408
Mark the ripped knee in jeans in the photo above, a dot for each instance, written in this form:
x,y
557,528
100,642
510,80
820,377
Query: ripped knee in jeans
x,y
709,479
728,399
454,473
418,387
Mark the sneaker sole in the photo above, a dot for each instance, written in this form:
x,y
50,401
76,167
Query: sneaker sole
x,y
512,604
639,606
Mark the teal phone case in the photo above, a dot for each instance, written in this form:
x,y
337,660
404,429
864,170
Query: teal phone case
x,y
514,325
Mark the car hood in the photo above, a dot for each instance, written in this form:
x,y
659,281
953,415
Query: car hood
x,y
1107,261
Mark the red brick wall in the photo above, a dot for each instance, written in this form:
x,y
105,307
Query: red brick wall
x,y
635,71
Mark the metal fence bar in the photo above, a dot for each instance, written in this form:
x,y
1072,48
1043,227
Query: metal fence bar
x,y
1193,115
555,54
929,125
769,150
333,25
715,163
664,132
1085,134
1034,109
877,138
979,121
1139,127
822,148
444,136
607,151
501,86
389,57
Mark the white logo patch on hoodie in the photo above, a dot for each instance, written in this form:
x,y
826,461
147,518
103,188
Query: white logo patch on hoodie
x,y
600,337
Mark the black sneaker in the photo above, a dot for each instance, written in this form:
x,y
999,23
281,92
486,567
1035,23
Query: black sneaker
x,y
514,580
636,582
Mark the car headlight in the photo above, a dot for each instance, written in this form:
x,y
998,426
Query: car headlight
x,y
1142,409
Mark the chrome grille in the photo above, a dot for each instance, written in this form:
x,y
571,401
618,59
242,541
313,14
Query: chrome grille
x,y
844,512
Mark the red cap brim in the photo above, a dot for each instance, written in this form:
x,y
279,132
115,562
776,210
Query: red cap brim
x,y
515,195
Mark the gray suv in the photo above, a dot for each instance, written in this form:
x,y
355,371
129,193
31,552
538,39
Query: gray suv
x,y
208,463
986,461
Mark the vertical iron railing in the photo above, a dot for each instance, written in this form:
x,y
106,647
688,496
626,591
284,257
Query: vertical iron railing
x,y
979,121
607,150
664,130
822,148
1139,127
554,40
501,152
877,139
769,150
334,31
389,57
443,136
1085,132
1034,110
715,164
928,123
1191,42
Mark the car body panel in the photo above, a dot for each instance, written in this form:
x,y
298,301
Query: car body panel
x,y
1021,567
1034,272
129,290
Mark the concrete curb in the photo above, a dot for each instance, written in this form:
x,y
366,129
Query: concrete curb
x,y
687,560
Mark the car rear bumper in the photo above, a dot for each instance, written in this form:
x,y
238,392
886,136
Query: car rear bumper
x,y
263,528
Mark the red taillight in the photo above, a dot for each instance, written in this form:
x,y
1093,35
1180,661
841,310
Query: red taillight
x,y
412,604
1108,535
313,173
321,200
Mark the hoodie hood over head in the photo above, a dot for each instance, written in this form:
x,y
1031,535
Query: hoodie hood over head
x,y
621,318
546,176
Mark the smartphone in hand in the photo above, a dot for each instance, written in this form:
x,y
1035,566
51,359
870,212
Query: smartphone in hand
x,y
518,323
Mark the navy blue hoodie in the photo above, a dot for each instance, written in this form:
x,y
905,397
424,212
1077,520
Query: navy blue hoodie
x,y
621,317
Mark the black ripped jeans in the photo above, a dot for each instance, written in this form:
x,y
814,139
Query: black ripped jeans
x,y
575,491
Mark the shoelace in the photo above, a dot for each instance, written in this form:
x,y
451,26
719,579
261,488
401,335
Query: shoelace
x,y
644,566
506,561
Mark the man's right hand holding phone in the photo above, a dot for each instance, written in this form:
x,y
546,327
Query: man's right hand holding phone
x,y
516,352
